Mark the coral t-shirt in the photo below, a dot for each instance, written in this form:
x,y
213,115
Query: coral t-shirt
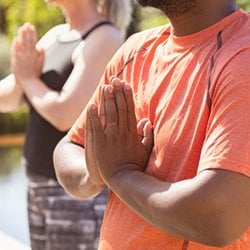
x,y
196,92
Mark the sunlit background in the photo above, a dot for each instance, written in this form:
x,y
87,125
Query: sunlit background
x,y
13,13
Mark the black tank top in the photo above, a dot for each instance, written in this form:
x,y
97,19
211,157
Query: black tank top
x,y
41,136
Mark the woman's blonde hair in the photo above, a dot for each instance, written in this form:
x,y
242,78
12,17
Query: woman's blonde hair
x,y
117,11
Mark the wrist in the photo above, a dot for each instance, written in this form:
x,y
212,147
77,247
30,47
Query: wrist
x,y
124,173
26,81
89,186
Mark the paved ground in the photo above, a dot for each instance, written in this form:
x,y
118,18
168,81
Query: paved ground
x,y
9,243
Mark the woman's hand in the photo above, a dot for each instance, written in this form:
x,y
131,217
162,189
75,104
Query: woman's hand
x,y
26,59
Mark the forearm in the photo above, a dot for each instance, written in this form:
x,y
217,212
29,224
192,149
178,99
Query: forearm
x,y
183,209
11,95
72,172
43,99
77,181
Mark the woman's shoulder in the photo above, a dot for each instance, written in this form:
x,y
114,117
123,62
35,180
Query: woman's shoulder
x,y
105,35
106,32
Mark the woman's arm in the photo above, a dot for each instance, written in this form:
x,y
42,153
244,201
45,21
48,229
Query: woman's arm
x,y
89,64
11,94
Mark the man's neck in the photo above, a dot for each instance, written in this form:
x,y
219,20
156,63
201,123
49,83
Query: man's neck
x,y
201,17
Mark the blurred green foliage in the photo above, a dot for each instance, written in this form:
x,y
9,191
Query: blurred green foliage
x,y
4,57
37,12
145,18
13,13
244,4
14,122
10,160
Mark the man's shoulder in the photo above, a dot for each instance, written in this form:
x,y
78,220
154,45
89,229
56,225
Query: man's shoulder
x,y
146,37
237,34
153,32
234,42
136,45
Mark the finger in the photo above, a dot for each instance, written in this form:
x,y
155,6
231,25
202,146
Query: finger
x,y
112,78
15,50
148,136
14,46
30,36
110,108
140,127
34,32
88,132
24,37
94,124
20,33
102,106
120,104
41,56
131,118
26,34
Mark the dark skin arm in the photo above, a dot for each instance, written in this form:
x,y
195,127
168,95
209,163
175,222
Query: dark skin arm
x,y
75,165
80,180
212,208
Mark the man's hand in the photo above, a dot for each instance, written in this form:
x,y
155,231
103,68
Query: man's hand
x,y
118,143
91,162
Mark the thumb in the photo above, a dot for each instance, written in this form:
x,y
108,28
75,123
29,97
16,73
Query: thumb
x,y
148,136
145,131
41,54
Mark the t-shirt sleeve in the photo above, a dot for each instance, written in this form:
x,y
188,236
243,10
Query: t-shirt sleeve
x,y
115,67
77,132
227,142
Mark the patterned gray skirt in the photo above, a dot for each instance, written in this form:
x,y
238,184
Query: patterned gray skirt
x,y
58,221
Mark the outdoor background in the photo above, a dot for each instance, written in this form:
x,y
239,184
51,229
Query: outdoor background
x,y
13,13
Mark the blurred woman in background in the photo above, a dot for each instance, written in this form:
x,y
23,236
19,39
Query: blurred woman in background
x,y
56,77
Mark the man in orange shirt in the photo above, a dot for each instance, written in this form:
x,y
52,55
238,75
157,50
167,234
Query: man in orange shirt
x,y
190,80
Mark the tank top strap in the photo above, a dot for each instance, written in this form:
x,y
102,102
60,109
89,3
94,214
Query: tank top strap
x,y
84,36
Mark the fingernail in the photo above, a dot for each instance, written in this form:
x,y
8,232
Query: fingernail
x,y
112,78
117,83
127,87
110,89
93,108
